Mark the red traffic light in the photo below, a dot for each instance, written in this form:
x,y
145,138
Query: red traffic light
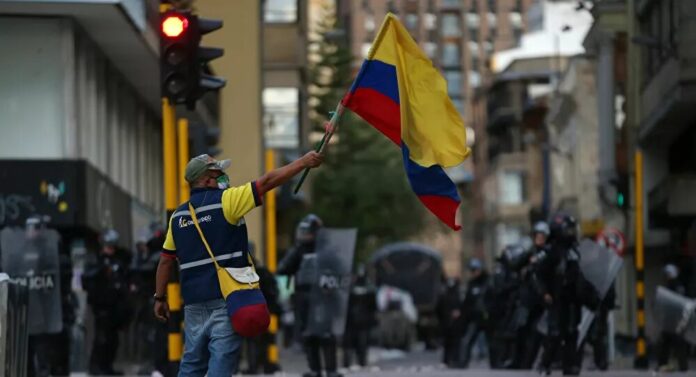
x,y
174,25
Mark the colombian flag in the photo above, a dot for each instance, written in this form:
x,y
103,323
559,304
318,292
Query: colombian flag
x,y
399,92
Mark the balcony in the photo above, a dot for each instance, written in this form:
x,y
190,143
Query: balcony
x,y
672,199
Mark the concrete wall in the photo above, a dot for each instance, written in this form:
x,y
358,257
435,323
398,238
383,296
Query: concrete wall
x,y
240,100
31,88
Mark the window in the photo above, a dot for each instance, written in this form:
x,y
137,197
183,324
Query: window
x,y
454,82
281,117
450,25
474,49
492,20
473,21
430,21
450,54
369,23
488,47
430,49
281,11
515,20
411,21
473,35
474,63
511,188
474,79
452,3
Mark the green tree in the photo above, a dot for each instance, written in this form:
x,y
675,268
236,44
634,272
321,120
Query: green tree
x,y
362,183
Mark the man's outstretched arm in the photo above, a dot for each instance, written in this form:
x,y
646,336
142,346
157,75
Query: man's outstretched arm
x,y
277,177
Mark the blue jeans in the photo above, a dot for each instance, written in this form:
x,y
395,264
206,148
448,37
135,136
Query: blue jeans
x,y
211,346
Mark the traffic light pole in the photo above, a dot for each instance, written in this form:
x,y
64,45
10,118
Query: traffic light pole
x,y
174,338
183,138
271,258
641,360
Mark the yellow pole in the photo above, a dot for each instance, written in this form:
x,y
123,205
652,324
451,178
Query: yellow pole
x,y
169,158
641,356
271,256
174,338
183,138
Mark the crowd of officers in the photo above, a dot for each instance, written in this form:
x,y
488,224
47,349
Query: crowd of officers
x,y
528,308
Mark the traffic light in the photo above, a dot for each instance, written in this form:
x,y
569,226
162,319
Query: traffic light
x,y
184,73
622,191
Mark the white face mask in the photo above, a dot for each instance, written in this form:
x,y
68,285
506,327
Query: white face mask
x,y
223,182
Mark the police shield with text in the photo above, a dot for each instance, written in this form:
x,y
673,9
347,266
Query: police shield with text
x,y
321,262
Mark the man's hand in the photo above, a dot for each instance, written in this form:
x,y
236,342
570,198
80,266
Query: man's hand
x,y
162,311
312,159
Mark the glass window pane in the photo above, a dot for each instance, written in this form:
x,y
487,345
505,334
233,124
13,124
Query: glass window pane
x,y
281,117
511,187
369,23
430,49
454,82
450,54
430,21
474,79
450,25
280,11
411,21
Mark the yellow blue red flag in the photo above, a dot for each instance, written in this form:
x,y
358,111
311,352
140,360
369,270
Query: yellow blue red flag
x,y
400,92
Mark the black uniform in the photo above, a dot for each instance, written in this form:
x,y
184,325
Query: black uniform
x,y
598,335
449,308
560,277
300,262
475,315
107,284
362,309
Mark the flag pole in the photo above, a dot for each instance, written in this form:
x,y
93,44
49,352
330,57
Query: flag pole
x,y
330,129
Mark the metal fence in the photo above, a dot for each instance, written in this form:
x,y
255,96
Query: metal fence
x,y
14,303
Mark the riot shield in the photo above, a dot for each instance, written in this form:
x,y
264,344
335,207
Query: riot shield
x,y
31,259
676,314
329,296
599,266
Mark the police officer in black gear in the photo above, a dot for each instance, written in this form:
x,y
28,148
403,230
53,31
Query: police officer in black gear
x,y
474,310
300,262
671,343
529,340
450,316
558,278
362,317
107,283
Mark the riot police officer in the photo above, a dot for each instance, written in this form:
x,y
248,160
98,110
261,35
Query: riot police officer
x,y
474,310
557,277
107,284
362,317
449,308
301,262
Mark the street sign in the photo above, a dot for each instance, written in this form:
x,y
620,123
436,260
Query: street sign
x,y
612,239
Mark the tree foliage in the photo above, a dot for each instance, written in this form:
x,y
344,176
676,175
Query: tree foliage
x,y
362,183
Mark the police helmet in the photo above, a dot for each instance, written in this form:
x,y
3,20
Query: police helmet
x,y
563,227
475,264
671,271
110,237
541,227
308,227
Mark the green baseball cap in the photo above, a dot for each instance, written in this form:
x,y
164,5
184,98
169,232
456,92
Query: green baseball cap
x,y
200,164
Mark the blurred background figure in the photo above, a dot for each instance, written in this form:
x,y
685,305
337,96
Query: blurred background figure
x,y
450,316
107,284
671,344
474,310
362,317
301,263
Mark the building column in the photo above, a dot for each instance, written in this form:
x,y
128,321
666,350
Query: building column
x,y
606,108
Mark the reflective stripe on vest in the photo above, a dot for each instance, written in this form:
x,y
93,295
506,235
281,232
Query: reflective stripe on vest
x,y
207,260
